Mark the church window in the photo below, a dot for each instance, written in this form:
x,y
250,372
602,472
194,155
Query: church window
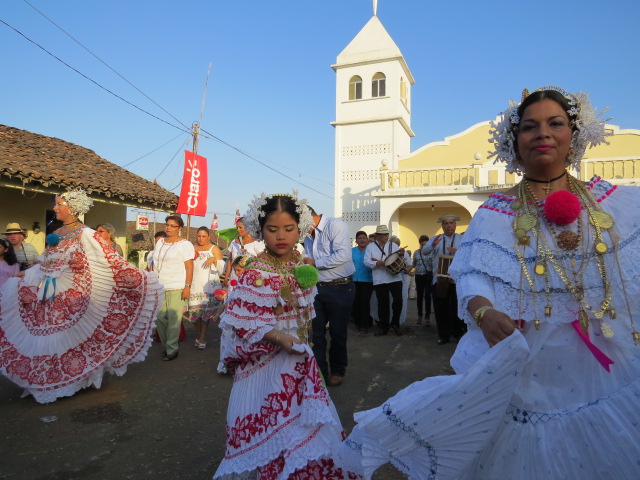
x,y
355,88
378,85
403,89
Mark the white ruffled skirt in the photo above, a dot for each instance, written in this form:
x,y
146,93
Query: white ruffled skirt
x,y
82,312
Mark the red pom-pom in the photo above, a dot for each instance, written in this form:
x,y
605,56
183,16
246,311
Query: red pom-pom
x,y
220,293
233,283
562,207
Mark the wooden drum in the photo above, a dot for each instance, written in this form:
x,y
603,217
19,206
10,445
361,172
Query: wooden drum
x,y
394,263
444,262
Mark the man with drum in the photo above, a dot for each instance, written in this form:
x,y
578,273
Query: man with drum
x,y
445,301
386,260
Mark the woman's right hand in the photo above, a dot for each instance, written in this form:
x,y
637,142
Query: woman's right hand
x,y
286,341
496,326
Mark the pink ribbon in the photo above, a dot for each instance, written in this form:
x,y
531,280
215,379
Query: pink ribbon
x,y
599,354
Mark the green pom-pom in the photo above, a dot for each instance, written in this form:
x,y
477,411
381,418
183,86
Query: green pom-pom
x,y
306,275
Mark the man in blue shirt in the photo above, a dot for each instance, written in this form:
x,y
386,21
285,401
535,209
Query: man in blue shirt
x,y
363,282
329,246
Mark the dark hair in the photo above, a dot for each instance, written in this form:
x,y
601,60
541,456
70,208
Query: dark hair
x,y
361,232
312,211
279,203
240,219
536,97
10,254
176,218
160,234
423,238
204,229
240,261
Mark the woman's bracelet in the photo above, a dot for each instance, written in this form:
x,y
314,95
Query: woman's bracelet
x,y
479,314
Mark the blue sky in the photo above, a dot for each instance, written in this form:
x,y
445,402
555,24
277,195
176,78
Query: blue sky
x,y
271,90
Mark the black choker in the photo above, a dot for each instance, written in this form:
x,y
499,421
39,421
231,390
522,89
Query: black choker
x,y
535,180
71,223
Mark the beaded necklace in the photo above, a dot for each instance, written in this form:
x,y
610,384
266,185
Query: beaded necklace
x,y
162,257
528,212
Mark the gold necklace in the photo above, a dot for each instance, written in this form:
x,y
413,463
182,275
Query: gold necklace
x,y
303,314
527,221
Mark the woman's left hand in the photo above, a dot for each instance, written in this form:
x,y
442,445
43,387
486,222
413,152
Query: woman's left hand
x,y
209,261
186,293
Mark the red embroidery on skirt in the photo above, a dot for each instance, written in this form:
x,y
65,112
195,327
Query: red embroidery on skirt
x,y
276,405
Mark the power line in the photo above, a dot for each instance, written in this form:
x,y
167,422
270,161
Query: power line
x,y
162,120
105,64
90,79
169,163
264,164
152,151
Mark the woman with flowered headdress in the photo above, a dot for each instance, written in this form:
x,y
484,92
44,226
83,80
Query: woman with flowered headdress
x,y
281,423
80,312
243,245
547,280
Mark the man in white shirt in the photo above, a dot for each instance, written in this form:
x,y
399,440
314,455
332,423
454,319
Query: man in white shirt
x,y
384,282
445,300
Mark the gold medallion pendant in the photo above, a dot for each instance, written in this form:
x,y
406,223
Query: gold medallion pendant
x,y
516,204
285,289
539,269
601,247
526,222
607,331
601,219
278,309
568,240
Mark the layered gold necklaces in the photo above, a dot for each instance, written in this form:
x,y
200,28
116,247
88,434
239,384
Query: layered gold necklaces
x,y
529,217
303,316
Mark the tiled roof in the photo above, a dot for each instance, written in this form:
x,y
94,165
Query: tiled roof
x,y
54,162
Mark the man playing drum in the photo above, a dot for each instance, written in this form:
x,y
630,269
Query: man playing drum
x,y
379,256
445,300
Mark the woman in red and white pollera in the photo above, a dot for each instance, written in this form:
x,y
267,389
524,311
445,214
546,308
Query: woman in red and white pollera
x,y
80,312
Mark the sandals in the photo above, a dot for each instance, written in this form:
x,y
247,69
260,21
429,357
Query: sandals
x,y
200,346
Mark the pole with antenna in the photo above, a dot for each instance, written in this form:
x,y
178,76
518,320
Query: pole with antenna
x,y
195,132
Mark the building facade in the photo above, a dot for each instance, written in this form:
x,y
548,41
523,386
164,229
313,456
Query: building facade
x,y
380,181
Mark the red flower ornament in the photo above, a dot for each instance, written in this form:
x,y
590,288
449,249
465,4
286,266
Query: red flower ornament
x,y
562,207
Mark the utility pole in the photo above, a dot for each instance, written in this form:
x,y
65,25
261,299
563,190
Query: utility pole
x,y
195,132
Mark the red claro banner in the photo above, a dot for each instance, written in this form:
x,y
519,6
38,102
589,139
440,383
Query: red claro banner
x,y
193,196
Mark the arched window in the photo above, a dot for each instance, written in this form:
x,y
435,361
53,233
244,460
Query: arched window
x,y
355,88
378,85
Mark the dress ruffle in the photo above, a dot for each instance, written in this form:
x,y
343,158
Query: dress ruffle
x,y
565,416
281,422
434,428
81,312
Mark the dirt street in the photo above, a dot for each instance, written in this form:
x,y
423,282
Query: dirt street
x,y
166,420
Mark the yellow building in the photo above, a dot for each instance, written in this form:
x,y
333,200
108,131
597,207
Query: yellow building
x,y
378,181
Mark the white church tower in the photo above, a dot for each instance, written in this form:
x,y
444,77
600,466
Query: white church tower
x,y
373,121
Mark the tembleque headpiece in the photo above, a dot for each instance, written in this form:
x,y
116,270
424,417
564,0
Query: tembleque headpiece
x,y
79,202
588,129
255,212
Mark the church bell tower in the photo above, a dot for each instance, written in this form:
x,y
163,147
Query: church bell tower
x,y
373,121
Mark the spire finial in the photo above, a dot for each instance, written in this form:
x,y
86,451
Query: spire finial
x,y
375,8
